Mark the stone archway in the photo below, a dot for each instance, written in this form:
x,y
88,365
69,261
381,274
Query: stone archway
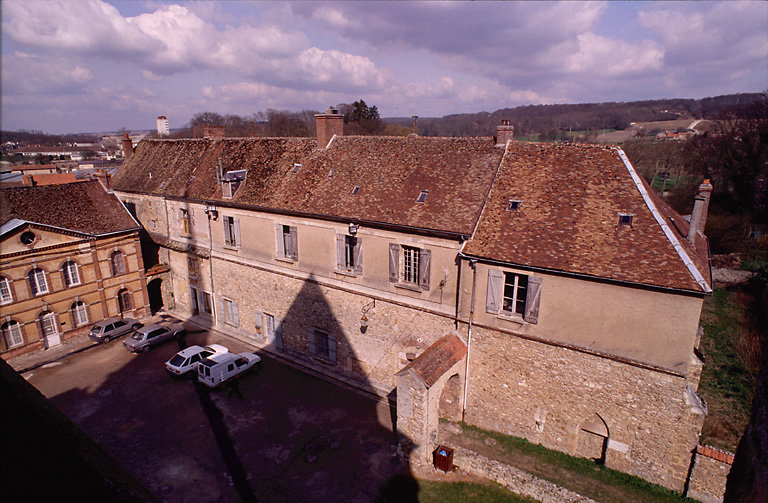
x,y
592,441
155,291
420,386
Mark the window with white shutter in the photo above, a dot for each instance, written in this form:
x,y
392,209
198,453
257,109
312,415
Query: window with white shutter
x,y
287,242
349,254
232,232
413,270
513,295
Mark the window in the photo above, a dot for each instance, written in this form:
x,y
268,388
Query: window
x,y
296,167
48,324
6,297
422,196
185,224
192,266
79,313
515,288
27,237
229,313
232,232
287,243
413,272
349,254
71,275
322,345
12,334
124,300
355,190
513,205
37,281
231,181
513,295
117,260
625,219
207,304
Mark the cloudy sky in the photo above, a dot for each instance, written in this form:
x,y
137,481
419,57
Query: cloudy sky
x,y
93,65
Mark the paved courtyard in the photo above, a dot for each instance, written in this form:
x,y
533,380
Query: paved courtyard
x,y
290,437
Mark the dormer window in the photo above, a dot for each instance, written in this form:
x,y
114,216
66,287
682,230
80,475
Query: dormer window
x,y
625,219
513,204
231,181
422,196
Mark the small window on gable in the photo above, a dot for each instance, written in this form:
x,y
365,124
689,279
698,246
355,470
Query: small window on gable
x,y
625,219
231,181
513,205
422,196
296,167
356,190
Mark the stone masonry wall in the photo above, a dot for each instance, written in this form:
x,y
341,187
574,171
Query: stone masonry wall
x,y
394,334
710,472
548,394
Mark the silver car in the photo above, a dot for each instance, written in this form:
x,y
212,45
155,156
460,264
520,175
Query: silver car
x,y
151,335
106,330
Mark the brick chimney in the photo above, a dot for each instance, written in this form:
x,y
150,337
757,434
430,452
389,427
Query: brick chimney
x,y
504,131
103,177
700,209
127,147
328,124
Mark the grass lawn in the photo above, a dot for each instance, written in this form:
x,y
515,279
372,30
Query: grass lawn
x,y
457,492
730,351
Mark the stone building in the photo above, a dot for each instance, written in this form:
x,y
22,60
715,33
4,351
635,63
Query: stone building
x,y
69,256
543,289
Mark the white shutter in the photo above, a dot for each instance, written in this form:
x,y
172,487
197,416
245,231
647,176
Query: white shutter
x,y
237,233
424,266
340,255
359,256
222,311
227,233
493,296
394,262
312,343
280,244
332,348
532,299
294,244
235,314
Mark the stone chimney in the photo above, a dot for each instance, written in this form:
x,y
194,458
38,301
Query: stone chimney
x,y
504,131
328,124
127,147
700,209
103,177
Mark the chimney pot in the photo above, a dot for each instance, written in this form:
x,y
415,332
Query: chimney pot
x,y
504,131
699,214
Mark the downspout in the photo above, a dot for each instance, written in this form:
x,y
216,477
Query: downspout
x,y
210,265
473,265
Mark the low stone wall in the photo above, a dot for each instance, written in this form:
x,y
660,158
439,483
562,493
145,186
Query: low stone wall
x,y
514,479
708,476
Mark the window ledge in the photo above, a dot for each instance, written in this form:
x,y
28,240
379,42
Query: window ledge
x,y
286,259
346,272
408,286
513,317
322,360
231,247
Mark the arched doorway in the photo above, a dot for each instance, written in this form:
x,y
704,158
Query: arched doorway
x,y
450,399
593,439
155,291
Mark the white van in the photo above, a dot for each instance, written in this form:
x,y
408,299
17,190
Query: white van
x,y
220,368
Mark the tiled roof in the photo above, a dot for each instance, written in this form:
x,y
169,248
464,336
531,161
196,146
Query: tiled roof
x,y
390,171
568,219
437,359
82,207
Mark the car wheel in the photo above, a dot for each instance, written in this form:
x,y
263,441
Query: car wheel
x,y
135,326
106,340
145,348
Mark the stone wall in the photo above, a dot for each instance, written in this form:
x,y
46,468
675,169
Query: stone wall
x,y
641,421
709,473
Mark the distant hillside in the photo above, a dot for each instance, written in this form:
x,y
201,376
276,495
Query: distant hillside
x,y
541,119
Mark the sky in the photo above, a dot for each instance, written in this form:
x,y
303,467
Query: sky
x,y
95,66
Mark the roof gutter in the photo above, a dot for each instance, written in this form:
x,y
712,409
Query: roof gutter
x,y
664,226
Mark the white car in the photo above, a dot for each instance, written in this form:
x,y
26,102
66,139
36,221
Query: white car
x,y
218,369
185,361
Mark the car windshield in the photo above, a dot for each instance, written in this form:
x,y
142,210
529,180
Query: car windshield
x,y
95,330
138,336
177,360
206,354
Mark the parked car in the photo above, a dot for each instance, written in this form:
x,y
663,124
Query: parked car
x,y
218,369
151,335
185,362
111,328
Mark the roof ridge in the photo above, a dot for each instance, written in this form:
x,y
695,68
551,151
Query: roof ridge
x,y
664,226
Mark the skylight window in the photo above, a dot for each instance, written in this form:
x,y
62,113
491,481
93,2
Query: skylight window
x,y
422,196
331,172
162,185
296,167
356,190
625,219
513,204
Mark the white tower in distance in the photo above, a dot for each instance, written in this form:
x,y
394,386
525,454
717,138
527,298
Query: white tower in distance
x,y
162,126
